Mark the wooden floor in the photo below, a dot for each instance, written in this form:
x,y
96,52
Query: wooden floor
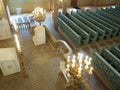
x,y
42,64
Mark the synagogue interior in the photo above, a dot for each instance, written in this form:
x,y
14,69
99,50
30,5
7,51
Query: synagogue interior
x,y
59,44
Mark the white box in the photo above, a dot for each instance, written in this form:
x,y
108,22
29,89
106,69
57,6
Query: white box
x,y
9,62
40,36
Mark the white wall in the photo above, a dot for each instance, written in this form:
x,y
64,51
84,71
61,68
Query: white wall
x,y
29,5
85,2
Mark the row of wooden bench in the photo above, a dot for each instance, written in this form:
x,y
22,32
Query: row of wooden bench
x,y
73,36
88,26
110,15
108,64
100,32
107,20
114,29
84,35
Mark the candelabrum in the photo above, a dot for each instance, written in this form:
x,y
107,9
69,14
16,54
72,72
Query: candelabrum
x,y
39,14
78,68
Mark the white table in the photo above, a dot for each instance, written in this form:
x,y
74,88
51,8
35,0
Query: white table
x,y
9,62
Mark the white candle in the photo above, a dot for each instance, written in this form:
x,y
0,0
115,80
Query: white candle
x,y
73,65
73,61
80,69
78,57
80,60
85,61
68,67
86,67
81,56
91,71
89,62
68,59
74,56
